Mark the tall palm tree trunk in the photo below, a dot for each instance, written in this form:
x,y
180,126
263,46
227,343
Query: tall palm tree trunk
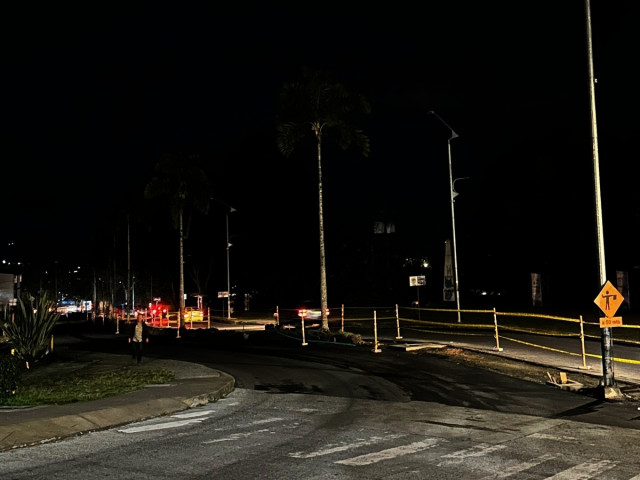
x,y
323,259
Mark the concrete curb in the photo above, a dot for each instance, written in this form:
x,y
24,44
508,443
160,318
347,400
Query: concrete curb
x,y
110,413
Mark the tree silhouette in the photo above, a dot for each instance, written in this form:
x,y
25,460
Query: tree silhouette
x,y
321,105
181,182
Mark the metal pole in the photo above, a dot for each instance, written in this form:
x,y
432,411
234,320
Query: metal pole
x,y
128,270
228,273
375,333
608,381
495,323
304,341
453,215
231,209
584,354
453,225
398,337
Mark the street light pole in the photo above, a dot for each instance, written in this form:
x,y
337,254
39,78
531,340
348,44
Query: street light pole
x,y
452,195
608,384
231,210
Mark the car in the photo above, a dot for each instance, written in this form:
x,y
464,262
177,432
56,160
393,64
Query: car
x,y
192,314
311,313
292,318
159,311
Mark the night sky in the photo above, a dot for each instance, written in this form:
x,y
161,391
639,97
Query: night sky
x,y
93,96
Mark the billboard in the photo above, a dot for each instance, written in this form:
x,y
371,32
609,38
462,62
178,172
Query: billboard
x,y
449,289
7,288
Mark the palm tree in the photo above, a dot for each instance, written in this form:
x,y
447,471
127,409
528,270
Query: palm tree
x,y
182,182
321,105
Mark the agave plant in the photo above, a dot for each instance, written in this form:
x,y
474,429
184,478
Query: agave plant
x,y
29,327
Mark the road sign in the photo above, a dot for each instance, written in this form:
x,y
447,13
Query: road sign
x,y
223,294
417,281
610,322
609,299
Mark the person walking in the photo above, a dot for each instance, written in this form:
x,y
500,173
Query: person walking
x,y
138,336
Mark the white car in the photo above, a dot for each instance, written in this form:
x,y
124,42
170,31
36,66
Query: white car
x,y
311,313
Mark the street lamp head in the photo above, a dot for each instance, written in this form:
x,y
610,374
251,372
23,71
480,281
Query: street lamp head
x,y
231,209
453,133
453,184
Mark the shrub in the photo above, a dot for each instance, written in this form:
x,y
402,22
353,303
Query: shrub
x,y
9,376
30,328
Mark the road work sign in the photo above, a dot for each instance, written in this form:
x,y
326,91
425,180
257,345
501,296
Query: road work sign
x,y
609,300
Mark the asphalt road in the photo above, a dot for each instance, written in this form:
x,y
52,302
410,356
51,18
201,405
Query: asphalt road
x,y
273,361
335,411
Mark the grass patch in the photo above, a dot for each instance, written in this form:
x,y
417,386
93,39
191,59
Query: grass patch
x,y
329,336
71,388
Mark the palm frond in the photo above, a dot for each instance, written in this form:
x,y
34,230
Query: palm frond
x,y
319,99
290,134
182,182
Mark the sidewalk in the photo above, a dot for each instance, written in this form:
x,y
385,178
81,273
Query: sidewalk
x,y
194,385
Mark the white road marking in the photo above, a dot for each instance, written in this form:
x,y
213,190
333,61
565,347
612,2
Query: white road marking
x,y
235,436
159,426
390,453
192,414
266,420
520,467
562,438
479,450
584,471
343,447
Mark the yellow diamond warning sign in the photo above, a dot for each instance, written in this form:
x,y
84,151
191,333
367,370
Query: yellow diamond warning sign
x,y
609,299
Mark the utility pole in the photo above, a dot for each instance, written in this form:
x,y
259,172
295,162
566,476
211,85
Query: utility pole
x,y
452,195
181,300
608,384
128,269
231,210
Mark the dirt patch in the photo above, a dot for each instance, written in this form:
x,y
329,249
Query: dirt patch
x,y
527,371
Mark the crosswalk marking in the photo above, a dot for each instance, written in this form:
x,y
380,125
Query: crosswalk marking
x,y
191,414
390,453
584,471
159,426
235,436
345,446
479,450
266,420
561,438
520,467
